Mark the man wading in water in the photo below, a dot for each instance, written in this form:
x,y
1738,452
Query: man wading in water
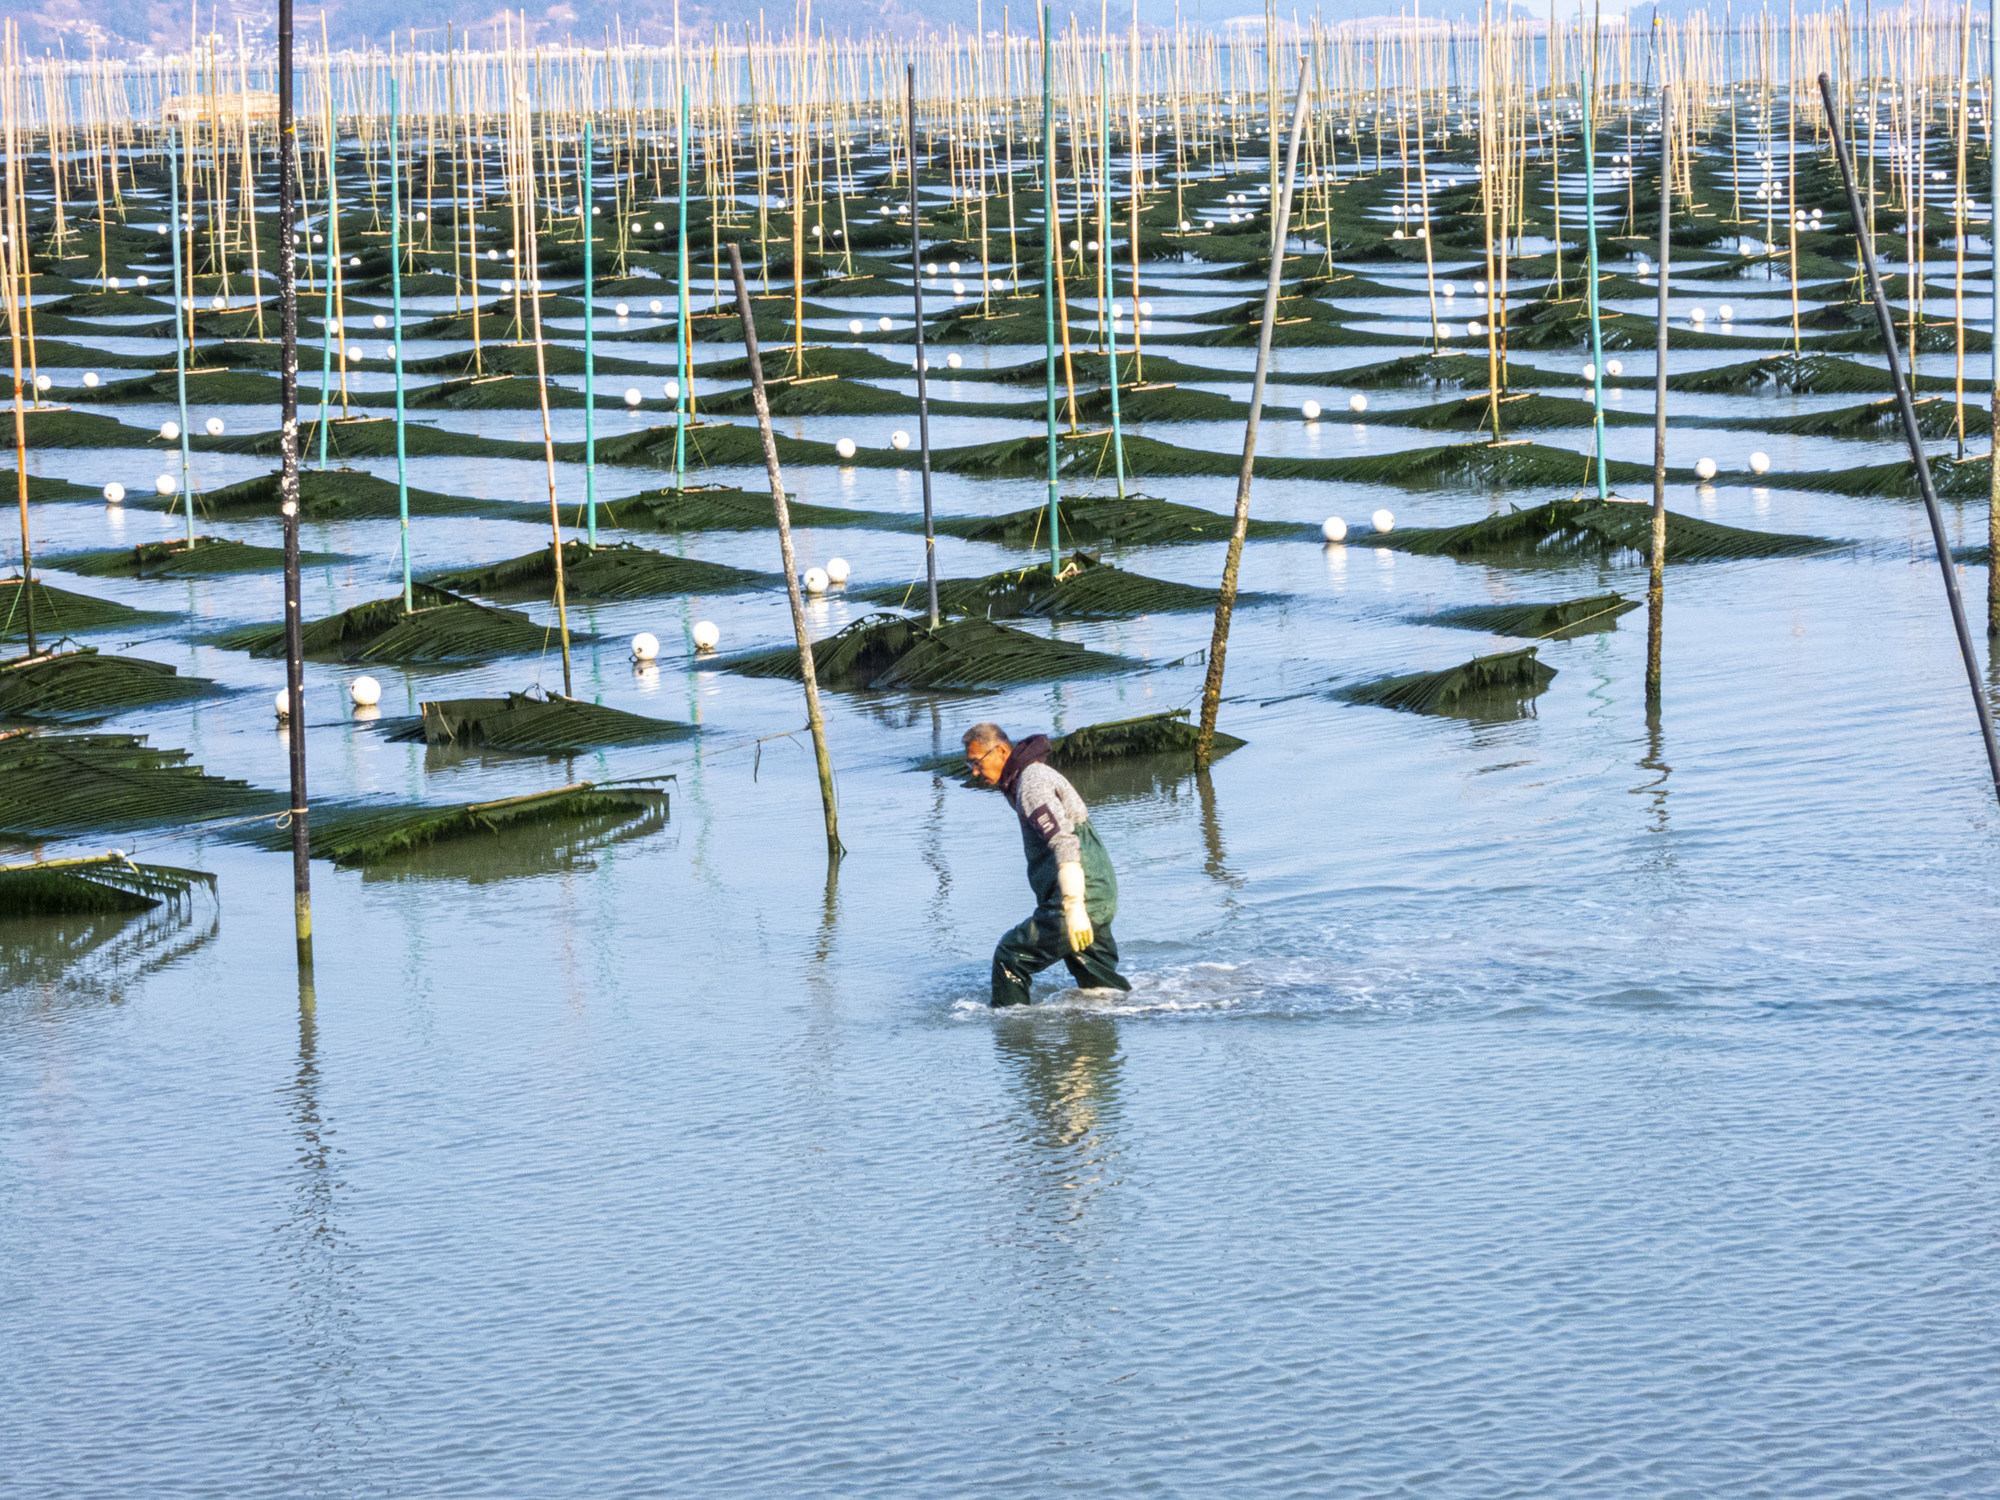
x,y
1076,890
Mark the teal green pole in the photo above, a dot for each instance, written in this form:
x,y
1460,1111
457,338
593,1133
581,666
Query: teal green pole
x,y
326,311
180,325
682,373
589,355
1110,262
1590,240
1050,229
396,311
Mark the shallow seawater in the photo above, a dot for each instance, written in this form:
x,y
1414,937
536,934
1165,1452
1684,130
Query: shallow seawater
x,y
1597,1102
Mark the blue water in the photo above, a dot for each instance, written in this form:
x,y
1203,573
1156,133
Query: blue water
x,y
1598,1103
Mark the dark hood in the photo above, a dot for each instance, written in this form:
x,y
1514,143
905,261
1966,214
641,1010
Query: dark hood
x,y
1031,751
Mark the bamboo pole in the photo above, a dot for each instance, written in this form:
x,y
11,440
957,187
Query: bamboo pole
x,y
834,848
16,236
923,364
1281,212
183,332
584,209
525,197
1050,232
396,317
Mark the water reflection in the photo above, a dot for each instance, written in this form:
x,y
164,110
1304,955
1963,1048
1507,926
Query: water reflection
x,y
1063,1066
60,962
316,1266
1215,860
1654,761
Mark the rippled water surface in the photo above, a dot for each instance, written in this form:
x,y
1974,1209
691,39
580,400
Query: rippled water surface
x,y
1592,1104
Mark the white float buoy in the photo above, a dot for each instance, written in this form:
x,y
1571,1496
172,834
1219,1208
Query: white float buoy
x,y
1759,462
169,431
653,306
706,636
1696,315
1704,469
1474,330
883,324
854,325
671,390
114,492
380,321
44,382
815,580
1589,370
622,309
899,440
1614,367
213,427
845,447
645,646
1448,290
365,691
90,379
1334,529
1726,312
166,484
1357,402
952,362
282,701
217,304
1383,521
838,569
1310,411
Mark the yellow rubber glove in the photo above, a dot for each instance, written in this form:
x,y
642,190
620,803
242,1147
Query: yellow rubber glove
x,y
1069,880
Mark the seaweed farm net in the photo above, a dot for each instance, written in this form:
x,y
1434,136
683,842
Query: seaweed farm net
x,y
1487,687
886,652
546,724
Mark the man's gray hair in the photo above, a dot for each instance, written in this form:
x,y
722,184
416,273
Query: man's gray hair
x,y
986,734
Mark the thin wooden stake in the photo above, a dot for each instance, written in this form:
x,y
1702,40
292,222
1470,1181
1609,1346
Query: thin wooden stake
x,y
1281,218
834,848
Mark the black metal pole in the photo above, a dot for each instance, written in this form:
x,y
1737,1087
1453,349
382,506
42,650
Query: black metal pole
x,y
1864,235
288,483
923,375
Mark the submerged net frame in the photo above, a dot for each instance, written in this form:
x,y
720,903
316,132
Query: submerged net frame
x,y
97,885
1552,621
80,684
1487,687
58,611
1130,521
357,836
55,786
1149,735
540,725
1087,589
1563,530
443,628
209,554
617,570
883,651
